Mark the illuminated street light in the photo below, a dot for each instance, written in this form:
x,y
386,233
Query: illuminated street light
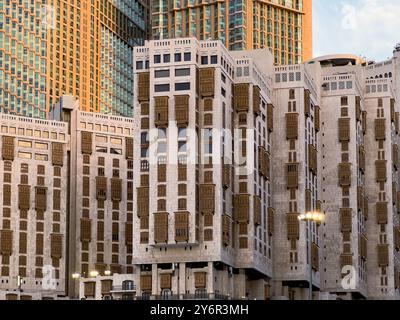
x,y
107,272
93,274
310,217
317,217
76,276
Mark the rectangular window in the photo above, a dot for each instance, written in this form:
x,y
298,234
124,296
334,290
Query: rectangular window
x,y
208,141
162,147
102,139
182,132
144,138
116,141
41,146
182,146
214,59
139,65
162,133
161,73
144,152
182,72
161,87
187,56
115,151
157,58
204,60
101,149
25,155
24,144
182,86
167,58
41,157
178,57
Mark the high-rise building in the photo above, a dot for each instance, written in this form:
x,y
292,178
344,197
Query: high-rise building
x,y
79,47
200,195
296,180
285,27
199,216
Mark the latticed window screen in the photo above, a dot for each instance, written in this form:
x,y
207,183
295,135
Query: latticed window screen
x,y
207,198
292,176
270,117
256,99
182,110
380,129
346,219
144,86
8,148
57,155
207,82
382,213
292,126
161,111
242,206
86,230
293,226
86,142
143,201
344,129
161,227
181,226
307,102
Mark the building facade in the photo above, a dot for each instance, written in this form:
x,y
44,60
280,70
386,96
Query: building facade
x,y
84,48
198,216
199,195
297,180
69,210
285,27
34,205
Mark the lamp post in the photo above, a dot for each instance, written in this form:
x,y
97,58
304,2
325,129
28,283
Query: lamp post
x,y
310,217
76,276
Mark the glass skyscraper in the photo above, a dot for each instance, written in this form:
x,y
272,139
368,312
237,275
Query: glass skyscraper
x,y
284,26
81,47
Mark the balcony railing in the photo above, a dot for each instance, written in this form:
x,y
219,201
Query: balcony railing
x,y
205,296
130,288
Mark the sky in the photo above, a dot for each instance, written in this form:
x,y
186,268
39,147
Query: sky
x,y
367,28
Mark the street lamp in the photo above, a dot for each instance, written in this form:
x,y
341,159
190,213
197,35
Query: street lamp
x,y
76,276
310,217
94,273
107,272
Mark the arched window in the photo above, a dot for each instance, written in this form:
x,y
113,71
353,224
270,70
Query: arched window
x,y
127,285
291,94
200,294
166,294
390,74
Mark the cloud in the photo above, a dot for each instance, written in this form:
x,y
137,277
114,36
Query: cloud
x,y
363,27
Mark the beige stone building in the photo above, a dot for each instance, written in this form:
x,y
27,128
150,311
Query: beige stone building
x,y
34,208
199,195
66,200
360,126
203,226
296,180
